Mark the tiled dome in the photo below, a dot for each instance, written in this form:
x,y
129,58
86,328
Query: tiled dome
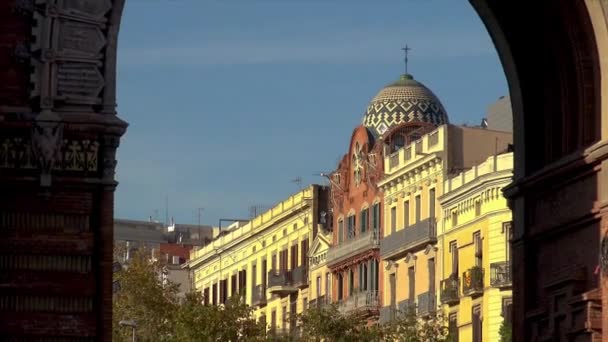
x,y
405,100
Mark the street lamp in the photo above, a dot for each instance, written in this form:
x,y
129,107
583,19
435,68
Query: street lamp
x,y
129,323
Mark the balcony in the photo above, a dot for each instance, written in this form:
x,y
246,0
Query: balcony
x,y
450,290
318,302
300,277
347,249
472,281
406,306
427,303
258,296
387,314
359,301
281,283
500,274
408,239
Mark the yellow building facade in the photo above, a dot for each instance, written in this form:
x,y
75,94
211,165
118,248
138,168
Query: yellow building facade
x,y
265,261
412,183
319,292
473,236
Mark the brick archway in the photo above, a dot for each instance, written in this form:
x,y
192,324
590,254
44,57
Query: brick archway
x,y
58,140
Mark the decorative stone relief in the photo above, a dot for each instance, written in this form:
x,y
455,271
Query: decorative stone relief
x,y
47,136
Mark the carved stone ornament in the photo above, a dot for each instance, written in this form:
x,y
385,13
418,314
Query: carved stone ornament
x,y
47,139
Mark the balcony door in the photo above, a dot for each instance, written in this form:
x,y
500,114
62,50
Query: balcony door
x,y
264,273
393,285
411,277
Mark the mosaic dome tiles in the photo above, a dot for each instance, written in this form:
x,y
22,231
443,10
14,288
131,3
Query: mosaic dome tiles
x,y
405,100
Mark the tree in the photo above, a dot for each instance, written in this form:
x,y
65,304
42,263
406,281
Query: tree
x,y
230,322
145,299
327,323
408,327
505,332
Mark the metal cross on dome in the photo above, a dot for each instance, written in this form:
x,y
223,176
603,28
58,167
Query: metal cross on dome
x,y
406,50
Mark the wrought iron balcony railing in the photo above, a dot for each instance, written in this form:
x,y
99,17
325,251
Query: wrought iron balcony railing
x,y
346,249
258,295
318,302
406,306
408,239
387,314
281,282
500,274
472,281
427,303
363,300
300,276
450,290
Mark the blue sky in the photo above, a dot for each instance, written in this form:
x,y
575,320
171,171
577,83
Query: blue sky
x,y
230,100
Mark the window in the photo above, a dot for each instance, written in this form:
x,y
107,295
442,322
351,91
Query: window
x,y
406,214
284,318
263,321
318,286
273,264
431,264
223,291
206,296
264,273
454,218
478,248
418,208
432,204
328,286
233,285
376,217
393,219
340,231
214,294
340,286
453,326
273,321
392,280
507,229
454,251
507,310
304,248
477,208
364,220
293,313
351,227
294,255
242,283
283,260
351,282
363,276
254,274
477,324
304,304
411,275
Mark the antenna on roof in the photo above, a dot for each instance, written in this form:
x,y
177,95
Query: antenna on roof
x,y
298,181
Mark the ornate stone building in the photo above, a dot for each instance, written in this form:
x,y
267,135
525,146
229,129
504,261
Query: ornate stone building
x,y
400,113
58,138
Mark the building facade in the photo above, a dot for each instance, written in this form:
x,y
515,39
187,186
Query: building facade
x,y
400,111
413,181
474,238
320,275
264,261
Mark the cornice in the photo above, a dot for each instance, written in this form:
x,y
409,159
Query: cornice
x,y
479,184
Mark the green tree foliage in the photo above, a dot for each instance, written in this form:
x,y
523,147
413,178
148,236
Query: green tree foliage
x,y
145,299
153,304
408,327
505,332
231,322
327,324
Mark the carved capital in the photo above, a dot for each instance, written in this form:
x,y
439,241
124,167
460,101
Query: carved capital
x,y
47,139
